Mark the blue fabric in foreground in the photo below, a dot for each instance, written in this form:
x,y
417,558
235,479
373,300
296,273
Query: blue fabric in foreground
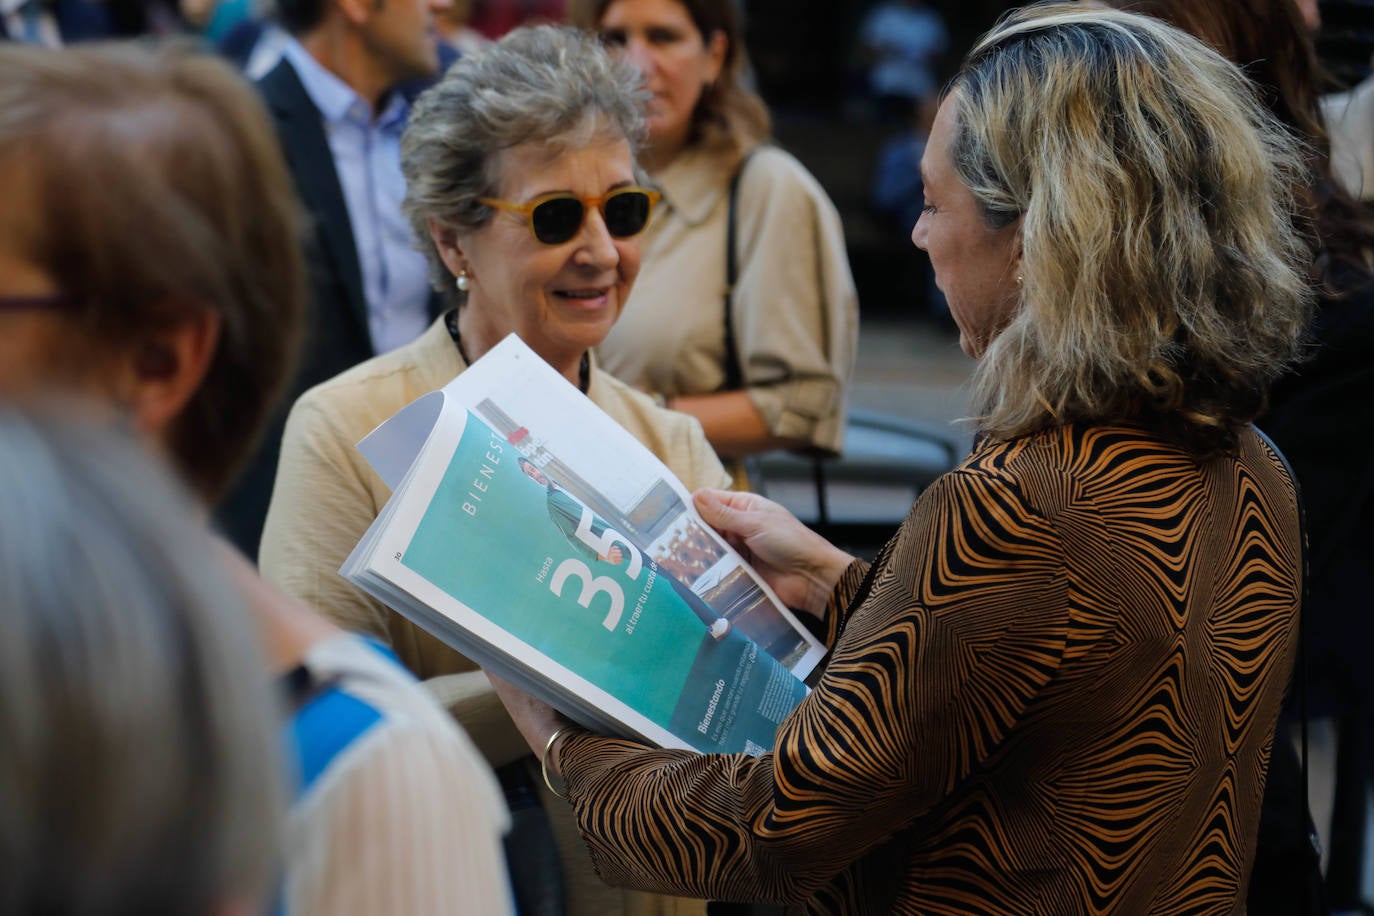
x,y
324,728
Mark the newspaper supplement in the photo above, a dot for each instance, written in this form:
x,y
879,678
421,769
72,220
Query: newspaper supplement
x,y
606,598
583,596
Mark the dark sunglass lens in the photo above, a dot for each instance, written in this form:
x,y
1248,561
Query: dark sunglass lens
x,y
557,220
627,213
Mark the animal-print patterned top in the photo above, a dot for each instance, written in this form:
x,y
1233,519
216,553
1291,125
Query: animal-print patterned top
x,y
1053,692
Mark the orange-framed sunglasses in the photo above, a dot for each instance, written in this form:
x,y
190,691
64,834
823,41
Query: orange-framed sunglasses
x,y
556,218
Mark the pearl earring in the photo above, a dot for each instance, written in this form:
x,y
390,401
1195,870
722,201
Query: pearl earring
x,y
461,281
1020,281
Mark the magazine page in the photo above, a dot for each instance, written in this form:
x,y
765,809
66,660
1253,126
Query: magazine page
x,y
591,583
393,448
568,439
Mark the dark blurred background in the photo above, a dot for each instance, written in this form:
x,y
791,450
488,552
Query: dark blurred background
x,y
809,66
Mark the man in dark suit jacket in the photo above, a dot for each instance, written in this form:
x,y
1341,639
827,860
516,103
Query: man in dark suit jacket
x,y
338,105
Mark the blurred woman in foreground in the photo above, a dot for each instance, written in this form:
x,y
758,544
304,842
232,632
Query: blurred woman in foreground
x,y
127,666
1055,688
149,261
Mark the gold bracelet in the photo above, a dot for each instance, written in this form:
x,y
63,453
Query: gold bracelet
x,y
544,759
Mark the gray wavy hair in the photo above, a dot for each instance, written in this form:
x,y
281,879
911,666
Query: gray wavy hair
x,y
546,84
140,770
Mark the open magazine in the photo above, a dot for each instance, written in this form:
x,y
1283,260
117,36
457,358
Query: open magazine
x,y
531,532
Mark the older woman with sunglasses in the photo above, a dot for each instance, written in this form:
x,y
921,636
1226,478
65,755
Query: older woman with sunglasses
x,y
521,175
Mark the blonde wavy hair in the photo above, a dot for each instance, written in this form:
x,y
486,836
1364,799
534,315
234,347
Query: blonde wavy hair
x,y
1163,276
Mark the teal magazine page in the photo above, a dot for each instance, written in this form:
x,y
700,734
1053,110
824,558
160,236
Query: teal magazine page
x,y
532,533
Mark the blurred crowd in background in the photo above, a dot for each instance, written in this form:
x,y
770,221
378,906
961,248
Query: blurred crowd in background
x,y
874,66
853,90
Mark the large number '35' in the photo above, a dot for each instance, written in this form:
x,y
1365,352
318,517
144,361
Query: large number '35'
x,y
593,585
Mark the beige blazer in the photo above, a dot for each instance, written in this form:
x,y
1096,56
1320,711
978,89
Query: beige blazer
x,y
795,307
326,495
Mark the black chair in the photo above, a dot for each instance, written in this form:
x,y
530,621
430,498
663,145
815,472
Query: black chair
x,y
858,499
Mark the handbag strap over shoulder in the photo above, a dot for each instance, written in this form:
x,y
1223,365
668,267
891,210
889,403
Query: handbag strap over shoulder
x,y
734,373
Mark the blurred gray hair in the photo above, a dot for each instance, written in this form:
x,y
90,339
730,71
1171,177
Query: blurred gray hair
x,y
547,84
140,771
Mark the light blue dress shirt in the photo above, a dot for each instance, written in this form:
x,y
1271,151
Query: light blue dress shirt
x,y
367,158
31,22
